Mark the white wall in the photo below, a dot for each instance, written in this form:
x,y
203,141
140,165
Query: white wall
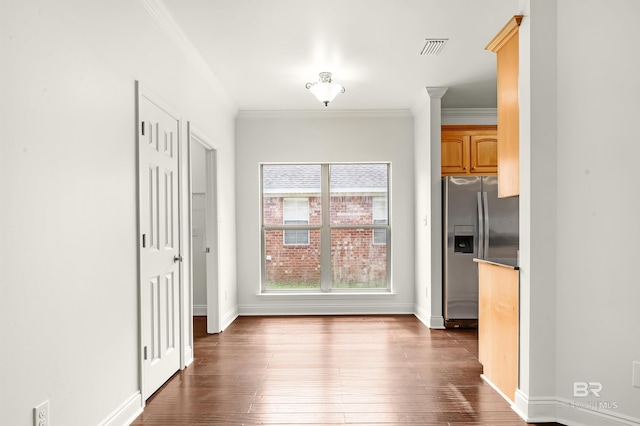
x,y
580,320
68,291
538,228
598,293
324,136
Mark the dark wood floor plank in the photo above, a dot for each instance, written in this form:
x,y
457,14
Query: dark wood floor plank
x,y
324,370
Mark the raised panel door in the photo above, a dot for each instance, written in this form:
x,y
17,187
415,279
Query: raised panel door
x,y
159,249
454,154
484,154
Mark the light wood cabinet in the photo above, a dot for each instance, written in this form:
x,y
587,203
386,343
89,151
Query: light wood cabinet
x,y
498,326
506,45
469,150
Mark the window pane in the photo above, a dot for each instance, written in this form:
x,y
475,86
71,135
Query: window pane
x,y
352,190
295,267
296,212
358,223
380,217
299,184
355,261
296,237
379,236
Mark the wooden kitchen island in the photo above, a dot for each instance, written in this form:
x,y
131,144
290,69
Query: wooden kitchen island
x,y
498,321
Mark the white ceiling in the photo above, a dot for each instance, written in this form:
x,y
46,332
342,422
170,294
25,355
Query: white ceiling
x,y
264,51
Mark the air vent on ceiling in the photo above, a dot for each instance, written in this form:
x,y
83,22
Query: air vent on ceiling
x,y
433,46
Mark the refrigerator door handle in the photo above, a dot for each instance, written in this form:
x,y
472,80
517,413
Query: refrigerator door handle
x,y
480,227
485,209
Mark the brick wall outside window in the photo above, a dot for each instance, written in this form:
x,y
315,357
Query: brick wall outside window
x,y
355,259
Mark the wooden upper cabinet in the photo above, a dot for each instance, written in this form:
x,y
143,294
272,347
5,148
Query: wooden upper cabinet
x,y
469,150
484,154
506,46
455,154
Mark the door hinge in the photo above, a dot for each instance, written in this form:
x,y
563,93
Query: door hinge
x,y
142,127
145,353
207,250
144,240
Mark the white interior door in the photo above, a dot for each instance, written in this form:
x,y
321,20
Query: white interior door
x,y
160,260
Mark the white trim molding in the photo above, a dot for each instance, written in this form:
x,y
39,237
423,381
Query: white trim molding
x,y
487,116
292,114
188,357
229,317
571,412
543,409
495,388
126,413
159,12
327,309
431,321
436,92
199,310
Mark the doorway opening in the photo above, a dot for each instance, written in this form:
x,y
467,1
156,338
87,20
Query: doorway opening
x,y
203,188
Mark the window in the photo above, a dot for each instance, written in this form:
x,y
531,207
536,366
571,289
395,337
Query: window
x,y
295,212
325,227
379,211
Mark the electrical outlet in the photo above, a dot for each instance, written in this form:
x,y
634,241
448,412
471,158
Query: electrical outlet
x,y
635,381
41,414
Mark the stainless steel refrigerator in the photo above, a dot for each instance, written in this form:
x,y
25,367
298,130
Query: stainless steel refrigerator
x,y
476,224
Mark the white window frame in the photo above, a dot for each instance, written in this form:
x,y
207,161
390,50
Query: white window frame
x,y
325,229
298,214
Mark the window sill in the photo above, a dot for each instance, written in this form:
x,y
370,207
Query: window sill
x,y
332,295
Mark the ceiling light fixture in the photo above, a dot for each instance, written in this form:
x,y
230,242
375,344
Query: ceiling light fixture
x,y
325,89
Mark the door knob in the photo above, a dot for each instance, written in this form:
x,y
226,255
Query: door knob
x,y
177,258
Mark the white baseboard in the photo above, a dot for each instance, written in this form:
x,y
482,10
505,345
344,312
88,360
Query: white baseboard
x,y
436,322
225,321
229,317
569,412
199,310
495,388
595,413
126,413
188,356
326,309
543,409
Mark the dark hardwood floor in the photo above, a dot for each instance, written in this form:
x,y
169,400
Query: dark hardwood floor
x,y
375,370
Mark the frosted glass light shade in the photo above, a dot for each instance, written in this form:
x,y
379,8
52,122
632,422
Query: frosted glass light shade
x,y
326,92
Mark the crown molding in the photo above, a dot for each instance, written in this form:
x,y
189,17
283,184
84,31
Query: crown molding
x,y
459,116
436,92
160,13
506,33
290,114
